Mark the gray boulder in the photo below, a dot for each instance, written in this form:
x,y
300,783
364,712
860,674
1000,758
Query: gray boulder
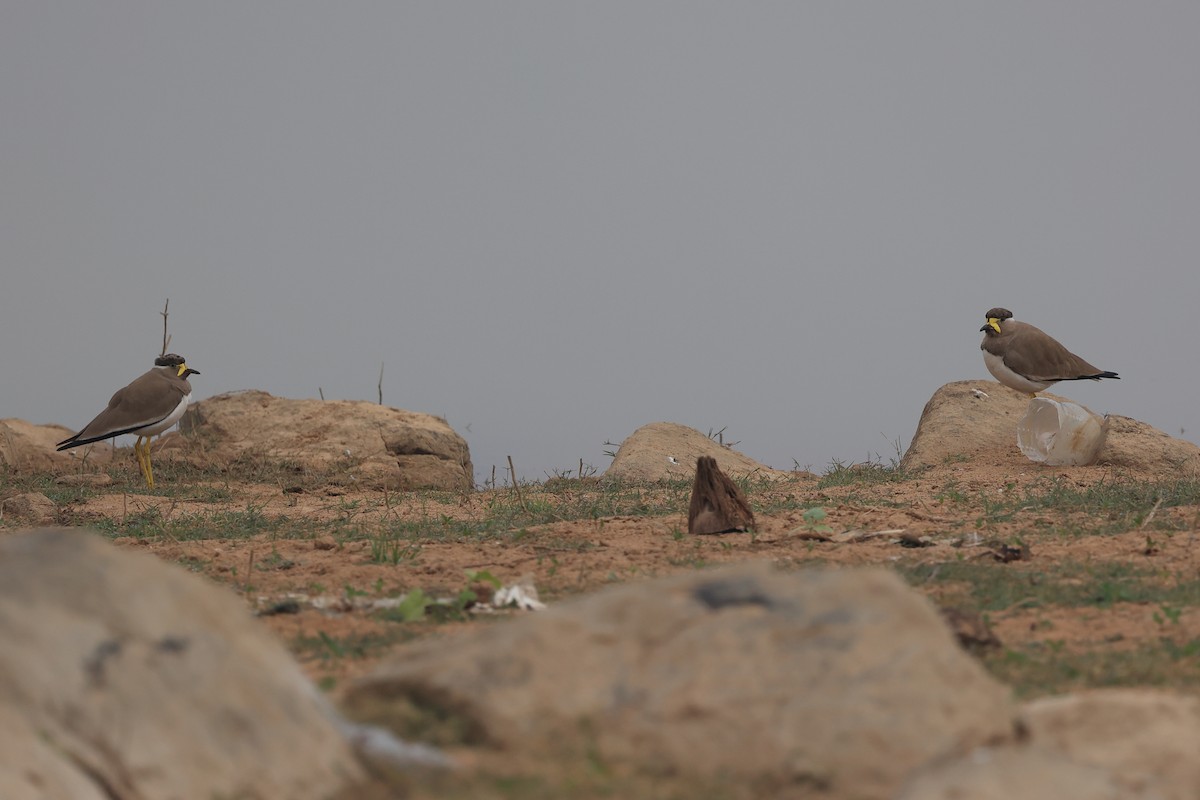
x,y
663,451
378,445
1123,744
124,677
977,421
832,684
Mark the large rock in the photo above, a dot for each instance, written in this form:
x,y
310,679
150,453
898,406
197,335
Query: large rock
x,y
830,684
664,451
387,446
124,677
1122,744
1148,739
1026,773
28,447
30,508
977,420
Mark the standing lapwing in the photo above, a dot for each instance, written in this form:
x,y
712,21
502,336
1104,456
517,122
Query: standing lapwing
x,y
148,406
1025,358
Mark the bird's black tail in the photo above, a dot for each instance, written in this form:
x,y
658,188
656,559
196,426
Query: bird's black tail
x,y
1095,377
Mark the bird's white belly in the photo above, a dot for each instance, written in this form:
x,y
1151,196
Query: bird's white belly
x,y
170,419
1012,380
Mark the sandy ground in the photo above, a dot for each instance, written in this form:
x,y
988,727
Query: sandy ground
x,y
339,559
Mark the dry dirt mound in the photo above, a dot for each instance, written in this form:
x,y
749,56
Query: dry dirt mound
x,y
28,447
976,421
668,451
836,683
125,677
385,446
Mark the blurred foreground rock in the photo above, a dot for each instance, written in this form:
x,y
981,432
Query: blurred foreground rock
x,y
960,424
664,451
124,677
1123,744
388,447
823,684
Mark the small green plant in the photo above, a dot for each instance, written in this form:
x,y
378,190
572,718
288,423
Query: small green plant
x,y
387,549
412,607
483,576
333,645
1170,614
814,521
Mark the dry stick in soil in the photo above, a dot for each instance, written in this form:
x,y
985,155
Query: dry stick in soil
x,y
166,339
718,505
513,471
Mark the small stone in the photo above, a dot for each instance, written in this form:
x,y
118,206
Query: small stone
x,y
30,507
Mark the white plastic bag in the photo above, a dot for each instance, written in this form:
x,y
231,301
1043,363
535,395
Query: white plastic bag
x,y
1060,434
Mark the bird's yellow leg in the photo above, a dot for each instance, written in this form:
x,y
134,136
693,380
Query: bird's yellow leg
x,y
137,451
149,467
142,448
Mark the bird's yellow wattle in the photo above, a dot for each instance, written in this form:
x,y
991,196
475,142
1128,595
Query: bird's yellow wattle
x,y
995,323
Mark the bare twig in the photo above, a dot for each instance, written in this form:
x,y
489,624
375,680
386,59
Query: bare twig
x,y
516,484
166,338
321,392
1153,511
380,383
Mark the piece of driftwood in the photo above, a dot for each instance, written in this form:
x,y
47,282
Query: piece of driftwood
x,y
718,505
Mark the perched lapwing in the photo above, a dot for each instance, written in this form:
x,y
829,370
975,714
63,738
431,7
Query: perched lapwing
x,y
1025,358
148,406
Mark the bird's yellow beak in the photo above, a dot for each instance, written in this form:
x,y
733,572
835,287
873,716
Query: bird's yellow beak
x,y
994,323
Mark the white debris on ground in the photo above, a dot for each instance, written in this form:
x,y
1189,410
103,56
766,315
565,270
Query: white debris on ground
x,y
522,596
519,595
379,745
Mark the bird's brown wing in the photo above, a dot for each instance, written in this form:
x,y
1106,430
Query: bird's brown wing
x,y
149,399
1040,357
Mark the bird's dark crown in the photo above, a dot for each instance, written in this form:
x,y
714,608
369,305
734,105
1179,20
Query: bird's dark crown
x,y
169,360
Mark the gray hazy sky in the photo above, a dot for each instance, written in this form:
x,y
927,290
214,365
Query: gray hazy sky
x,y
555,222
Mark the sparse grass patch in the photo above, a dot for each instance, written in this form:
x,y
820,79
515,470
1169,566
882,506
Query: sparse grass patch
x,y
868,472
225,524
1133,499
324,648
999,587
391,549
1044,668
